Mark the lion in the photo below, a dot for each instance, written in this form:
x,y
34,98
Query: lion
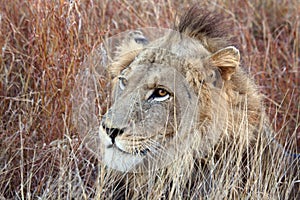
x,y
177,102
185,85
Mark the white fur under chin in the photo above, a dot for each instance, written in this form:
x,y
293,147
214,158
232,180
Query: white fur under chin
x,y
120,161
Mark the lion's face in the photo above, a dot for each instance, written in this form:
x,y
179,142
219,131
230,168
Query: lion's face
x,y
153,110
167,100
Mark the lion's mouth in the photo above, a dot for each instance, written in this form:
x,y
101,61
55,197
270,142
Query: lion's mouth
x,y
114,146
135,152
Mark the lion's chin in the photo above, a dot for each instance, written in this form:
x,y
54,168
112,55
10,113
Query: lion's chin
x,y
121,161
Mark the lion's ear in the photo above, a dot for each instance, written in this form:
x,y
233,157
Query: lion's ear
x,y
227,60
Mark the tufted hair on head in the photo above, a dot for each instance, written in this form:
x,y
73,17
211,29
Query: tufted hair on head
x,y
210,28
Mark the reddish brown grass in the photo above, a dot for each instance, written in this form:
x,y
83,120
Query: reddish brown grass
x,y
43,45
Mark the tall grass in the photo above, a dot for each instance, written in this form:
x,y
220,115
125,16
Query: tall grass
x,y
43,48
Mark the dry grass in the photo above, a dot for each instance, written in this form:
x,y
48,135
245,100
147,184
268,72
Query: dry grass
x,y
43,45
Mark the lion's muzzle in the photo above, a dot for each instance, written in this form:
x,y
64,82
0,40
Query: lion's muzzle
x,y
112,132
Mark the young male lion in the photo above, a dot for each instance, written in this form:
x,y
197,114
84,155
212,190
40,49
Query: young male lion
x,y
185,85
183,113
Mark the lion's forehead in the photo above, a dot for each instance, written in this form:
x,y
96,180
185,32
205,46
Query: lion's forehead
x,y
149,76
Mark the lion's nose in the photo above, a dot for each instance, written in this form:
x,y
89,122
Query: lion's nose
x,y
112,132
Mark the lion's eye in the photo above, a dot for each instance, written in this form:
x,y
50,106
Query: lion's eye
x,y
122,82
160,94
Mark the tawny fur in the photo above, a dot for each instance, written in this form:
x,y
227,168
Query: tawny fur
x,y
229,113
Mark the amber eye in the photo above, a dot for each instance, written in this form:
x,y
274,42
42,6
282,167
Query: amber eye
x,y
160,94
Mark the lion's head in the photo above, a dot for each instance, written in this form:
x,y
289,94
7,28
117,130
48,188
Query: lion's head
x,y
172,95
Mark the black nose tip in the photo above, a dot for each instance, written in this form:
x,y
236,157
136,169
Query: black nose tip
x,y
113,132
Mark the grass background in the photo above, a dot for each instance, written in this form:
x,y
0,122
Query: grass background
x,y
43,46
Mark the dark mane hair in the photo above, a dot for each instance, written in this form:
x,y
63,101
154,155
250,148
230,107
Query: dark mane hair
x,y
212,29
